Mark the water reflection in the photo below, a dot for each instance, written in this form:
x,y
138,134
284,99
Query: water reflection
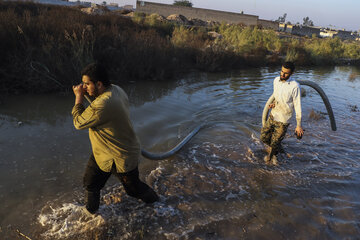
x,y
148,91
323,71
34,109
217,187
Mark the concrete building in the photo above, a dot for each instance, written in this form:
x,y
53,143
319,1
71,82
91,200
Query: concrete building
x,y
282,27
268,24
346,35
328,33
114,5
128,7
342,34
191,12
289,28
306,30
299,30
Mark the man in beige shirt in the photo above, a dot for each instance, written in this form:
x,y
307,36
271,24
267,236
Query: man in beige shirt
x,y
115,146
287,97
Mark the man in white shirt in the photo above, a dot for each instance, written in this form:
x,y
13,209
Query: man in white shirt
x,y
287,97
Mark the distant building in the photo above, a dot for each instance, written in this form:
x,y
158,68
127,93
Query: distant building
x,y
346,35
128,7
342,34
289,28
309,31
328,33
299,30
282,27
268,24
204,14
114,5
199,13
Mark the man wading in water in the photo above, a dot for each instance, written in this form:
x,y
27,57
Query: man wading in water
x,y
287,96
115,146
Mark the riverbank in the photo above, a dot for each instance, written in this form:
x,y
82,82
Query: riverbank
x,y
44,47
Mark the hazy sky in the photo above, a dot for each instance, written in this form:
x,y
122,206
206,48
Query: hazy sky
x,y
325,13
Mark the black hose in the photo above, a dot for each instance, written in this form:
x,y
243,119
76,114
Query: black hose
x,y
325,100
152,156
321,93
161,156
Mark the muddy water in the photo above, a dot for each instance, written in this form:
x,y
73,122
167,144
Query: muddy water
x,y
216,187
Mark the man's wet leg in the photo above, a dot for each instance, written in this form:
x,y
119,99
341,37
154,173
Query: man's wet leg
x,y
276,139
266,132
94,180
134,187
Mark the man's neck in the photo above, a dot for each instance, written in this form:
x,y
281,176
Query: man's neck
x,y
284,80
102,90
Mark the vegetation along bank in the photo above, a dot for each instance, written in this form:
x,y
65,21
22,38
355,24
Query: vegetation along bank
x,y
44,47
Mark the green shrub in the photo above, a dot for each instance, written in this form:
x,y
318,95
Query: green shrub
x,y
325,50
250,40
63,40
183,37
352,50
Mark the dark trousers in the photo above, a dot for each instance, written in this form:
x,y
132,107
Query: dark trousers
x,y
95,179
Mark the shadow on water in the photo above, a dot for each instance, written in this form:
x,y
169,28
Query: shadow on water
x,y
216,187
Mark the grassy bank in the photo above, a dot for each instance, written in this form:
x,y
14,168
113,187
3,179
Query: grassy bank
x,y
36,38
45,47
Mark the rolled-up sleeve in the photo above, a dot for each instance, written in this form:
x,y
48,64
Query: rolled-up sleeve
x,y
87,118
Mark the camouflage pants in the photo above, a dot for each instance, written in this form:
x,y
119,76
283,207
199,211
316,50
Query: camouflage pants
x,y
273,133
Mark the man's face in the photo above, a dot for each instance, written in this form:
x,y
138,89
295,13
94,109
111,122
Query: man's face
x,y
285,73
89,86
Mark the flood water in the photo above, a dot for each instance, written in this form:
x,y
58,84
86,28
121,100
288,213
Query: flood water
x,y
216,187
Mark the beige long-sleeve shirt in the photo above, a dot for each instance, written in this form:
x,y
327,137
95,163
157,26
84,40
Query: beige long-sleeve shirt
x,y
287,97
112,137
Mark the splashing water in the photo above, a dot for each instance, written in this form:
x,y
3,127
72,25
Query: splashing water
x,y
216,187
70,219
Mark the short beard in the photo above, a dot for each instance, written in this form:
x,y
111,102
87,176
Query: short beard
x,y
96,92
284,79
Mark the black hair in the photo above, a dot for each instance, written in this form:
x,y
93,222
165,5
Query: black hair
x,y
97,73
289,65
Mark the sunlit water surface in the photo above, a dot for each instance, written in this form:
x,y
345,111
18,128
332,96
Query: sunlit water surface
x,y
216,187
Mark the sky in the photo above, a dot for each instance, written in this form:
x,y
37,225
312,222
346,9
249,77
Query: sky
x,y
337,14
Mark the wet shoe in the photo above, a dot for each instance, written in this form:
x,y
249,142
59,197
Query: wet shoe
x,y
92,201
90,211
86,212
149,196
